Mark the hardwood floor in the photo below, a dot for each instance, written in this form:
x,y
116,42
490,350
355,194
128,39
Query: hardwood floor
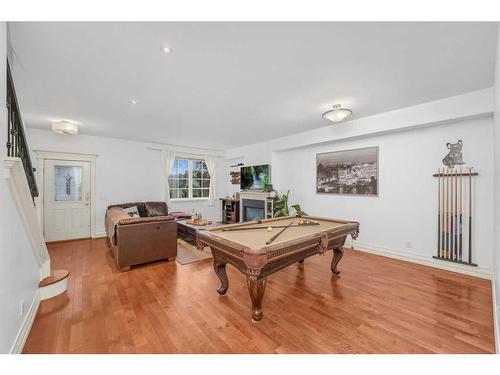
x,y
377,305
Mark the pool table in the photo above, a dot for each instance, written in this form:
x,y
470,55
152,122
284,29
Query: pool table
x,y
244,246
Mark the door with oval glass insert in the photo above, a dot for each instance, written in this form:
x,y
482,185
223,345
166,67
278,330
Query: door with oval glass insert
x,y
66,200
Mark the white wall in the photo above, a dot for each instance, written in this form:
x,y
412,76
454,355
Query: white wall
x,y
412,143
19,272
403,216
497,195
126,171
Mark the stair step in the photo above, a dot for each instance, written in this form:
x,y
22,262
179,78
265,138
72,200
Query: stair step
x,y
56,276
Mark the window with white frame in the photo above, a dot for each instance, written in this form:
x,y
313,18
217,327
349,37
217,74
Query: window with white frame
x,y
189,179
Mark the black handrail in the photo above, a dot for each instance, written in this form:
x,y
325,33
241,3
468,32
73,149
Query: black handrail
x,y
16,139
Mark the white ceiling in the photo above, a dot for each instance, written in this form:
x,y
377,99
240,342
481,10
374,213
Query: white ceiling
x,y
229,84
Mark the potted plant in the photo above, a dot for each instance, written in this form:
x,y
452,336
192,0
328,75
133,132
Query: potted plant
x,y
281,207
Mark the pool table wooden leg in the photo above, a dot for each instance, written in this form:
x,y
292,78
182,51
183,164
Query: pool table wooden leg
x,y
256,288
338,253
301,261
220,270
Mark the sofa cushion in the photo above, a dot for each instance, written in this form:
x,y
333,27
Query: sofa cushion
x,y
156,209
140,206
142,220
180,215
133,212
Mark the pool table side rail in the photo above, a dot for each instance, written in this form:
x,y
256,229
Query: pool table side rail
x,y
275,250
281,218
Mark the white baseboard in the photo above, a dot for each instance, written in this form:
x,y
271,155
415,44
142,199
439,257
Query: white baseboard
x,y
22,335
99,235
420,259
496,320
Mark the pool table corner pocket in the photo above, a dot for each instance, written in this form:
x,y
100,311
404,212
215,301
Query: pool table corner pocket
x,y
254,260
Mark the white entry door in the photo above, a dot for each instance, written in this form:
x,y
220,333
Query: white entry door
x,y
66,202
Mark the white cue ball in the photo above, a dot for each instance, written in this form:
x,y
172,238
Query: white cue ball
x,y
269,229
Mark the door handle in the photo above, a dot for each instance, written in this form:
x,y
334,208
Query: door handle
x,y
87,198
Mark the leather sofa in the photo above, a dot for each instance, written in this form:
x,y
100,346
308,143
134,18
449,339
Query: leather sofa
x,y
137,240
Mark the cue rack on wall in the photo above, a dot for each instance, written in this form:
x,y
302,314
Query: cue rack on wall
x,y
455,215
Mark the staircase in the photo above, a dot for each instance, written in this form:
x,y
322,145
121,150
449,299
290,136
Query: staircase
x,y
54,284
20,177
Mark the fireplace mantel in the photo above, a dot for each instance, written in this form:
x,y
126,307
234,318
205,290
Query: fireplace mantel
x,y
254,195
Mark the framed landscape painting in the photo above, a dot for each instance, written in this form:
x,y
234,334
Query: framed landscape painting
x,y
348,172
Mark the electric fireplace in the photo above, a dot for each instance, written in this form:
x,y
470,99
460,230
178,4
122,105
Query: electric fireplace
x,y
253,209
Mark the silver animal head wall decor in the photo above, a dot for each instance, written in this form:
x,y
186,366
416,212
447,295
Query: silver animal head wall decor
x,y
454,156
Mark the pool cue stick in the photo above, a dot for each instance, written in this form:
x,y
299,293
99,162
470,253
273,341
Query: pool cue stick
x,y
448,198
439,213
452,219
450,255
445,183
470,214
277,234
271,226
442,215
456,214
460,217
452,213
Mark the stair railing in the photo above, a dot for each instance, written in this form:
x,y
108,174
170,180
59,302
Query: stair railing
x,y
16,139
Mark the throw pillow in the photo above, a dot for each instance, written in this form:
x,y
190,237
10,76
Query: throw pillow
x,y
132,211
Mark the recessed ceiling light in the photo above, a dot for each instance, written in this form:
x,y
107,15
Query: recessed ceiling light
x,y
337,114
166,49
133,101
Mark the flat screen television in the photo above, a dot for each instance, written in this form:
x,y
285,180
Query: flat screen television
x,y
255,177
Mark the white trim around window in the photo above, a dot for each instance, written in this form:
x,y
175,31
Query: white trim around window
x,y
177,200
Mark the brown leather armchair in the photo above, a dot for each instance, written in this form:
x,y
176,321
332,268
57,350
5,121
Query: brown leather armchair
x,y
151,237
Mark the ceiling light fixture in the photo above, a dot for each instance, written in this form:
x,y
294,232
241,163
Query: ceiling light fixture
x,y
133,101
65,127
166,49
337,114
